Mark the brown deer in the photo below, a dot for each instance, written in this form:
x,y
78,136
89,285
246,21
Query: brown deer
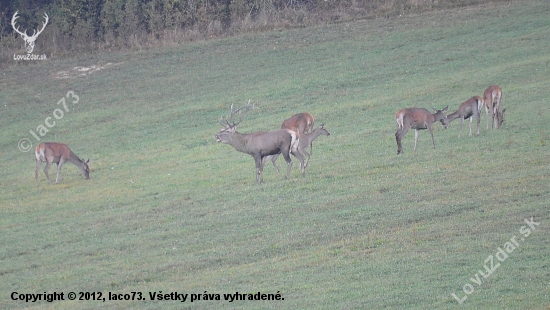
x,y
300,123
492,98
259,144
59,153
469,108
305,140
417,119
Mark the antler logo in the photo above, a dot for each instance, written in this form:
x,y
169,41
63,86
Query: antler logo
x,y
29,40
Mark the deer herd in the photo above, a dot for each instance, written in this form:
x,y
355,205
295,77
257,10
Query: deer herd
x,y
419,118
296,135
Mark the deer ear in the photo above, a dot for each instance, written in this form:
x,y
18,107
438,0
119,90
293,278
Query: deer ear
x,y
87,161
445,109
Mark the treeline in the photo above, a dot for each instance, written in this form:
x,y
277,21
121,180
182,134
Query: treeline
x,y
96,25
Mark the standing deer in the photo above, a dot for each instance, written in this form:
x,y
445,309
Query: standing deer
x,y
300,123
305,140
59,153
259,144
469,108
417,119
29,40
492,98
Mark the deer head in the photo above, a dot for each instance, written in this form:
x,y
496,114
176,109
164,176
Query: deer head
x,y
439,116
84,169
29,40
500,118
229,125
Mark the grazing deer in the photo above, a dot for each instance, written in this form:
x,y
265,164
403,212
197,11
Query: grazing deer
x,y
259,144
417,119
305,140
59,153
492,98
300,123
469,108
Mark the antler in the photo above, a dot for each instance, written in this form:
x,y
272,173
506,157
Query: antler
x,y
24,34
229,123
43,26
17,29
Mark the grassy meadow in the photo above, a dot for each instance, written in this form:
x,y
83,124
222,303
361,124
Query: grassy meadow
x,y
169,209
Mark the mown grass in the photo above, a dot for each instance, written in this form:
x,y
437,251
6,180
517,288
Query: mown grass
x,y
169,209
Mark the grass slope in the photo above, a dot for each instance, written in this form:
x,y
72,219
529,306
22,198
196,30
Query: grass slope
x,y
169,209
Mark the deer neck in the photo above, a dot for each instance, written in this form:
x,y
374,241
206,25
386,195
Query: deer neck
x,y
312,136
239,142
453,116
74,159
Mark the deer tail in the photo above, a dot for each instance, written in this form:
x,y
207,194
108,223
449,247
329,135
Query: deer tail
x,y
294,142
399,120
480,103
39,153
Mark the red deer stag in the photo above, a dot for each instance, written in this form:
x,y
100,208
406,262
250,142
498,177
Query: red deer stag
x,y
492,98
59,153
259,144
417,119
305,140
469,108
300,123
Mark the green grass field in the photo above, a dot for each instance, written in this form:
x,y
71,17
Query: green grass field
x,y
169,209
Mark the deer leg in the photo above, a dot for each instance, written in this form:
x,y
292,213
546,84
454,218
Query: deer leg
x,y
273,160
471,119
460,129
494,112
46,169
478,118
398,137
495,117
304,152
415,138
301,159
432,134
286,155
59,165
487,115
258,160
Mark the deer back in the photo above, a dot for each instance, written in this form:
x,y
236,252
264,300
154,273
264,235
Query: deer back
x,y
417,118
492,96
467,108
307,138
301,122
52,152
